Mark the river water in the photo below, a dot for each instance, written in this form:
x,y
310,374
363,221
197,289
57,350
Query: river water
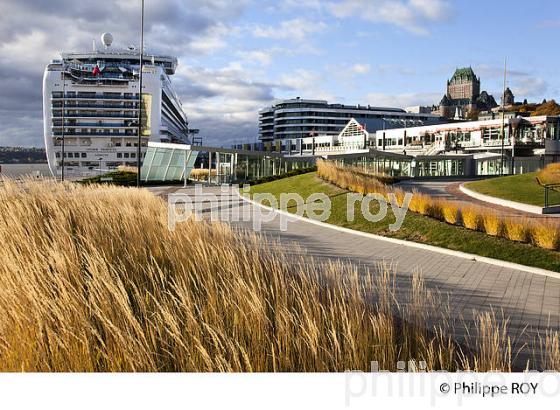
x,y
21,170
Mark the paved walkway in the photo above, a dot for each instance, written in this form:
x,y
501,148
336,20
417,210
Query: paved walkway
x,y
526,299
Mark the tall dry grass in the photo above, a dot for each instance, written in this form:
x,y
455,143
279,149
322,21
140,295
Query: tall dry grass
x,y
549,174
542,234
546,235
517,229
92,280
201,174
492,223
127,168
451,213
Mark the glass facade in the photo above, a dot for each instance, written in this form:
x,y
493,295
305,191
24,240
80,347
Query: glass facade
x,y
170,162
408,166
167,164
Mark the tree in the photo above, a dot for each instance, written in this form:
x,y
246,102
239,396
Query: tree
x,y
472,114
547,108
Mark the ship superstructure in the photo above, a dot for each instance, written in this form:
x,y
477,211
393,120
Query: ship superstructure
x,y
91,105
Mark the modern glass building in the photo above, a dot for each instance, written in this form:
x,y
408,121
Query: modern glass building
x,y
299,118
176,162
442,165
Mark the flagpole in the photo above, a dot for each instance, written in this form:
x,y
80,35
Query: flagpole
x,y
139,150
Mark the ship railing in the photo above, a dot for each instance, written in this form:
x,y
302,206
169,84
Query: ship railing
x,y
101,115
96,97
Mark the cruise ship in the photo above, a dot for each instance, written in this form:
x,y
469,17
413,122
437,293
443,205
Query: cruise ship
x,y
91,104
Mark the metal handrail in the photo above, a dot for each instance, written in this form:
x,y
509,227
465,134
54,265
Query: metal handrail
x,y
547,188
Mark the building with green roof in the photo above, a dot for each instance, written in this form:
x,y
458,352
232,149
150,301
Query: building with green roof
x,y
464,96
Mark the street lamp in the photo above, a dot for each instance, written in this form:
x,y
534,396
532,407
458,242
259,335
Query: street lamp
x,y
139,150
63,118
503,121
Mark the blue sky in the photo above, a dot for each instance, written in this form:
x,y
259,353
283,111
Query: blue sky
x,y
236,57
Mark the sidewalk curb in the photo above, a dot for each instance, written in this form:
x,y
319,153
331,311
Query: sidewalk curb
x,y
518,206
459,254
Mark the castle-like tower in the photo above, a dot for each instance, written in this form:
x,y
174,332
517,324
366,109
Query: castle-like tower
x,y
463,95
463,85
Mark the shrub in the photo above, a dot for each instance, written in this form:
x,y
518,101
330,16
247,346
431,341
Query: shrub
x,y
420,203
492,223
201,174
436,209
354,179
517,229
545,235
471,217
451,213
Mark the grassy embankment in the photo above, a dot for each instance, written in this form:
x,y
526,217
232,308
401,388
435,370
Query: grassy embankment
x,y
522,188
417,228
92,279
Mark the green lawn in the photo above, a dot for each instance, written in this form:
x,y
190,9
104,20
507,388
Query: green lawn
x,y
416,227
519,188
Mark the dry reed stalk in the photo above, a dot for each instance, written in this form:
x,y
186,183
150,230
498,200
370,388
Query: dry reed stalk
x,y
493,345
550,346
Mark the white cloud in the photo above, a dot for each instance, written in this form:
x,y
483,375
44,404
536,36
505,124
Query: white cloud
x,y
315,5
529,87
392,69
296,29
260,56
360,68
402,100
305,84
411,15
523,84
223,102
